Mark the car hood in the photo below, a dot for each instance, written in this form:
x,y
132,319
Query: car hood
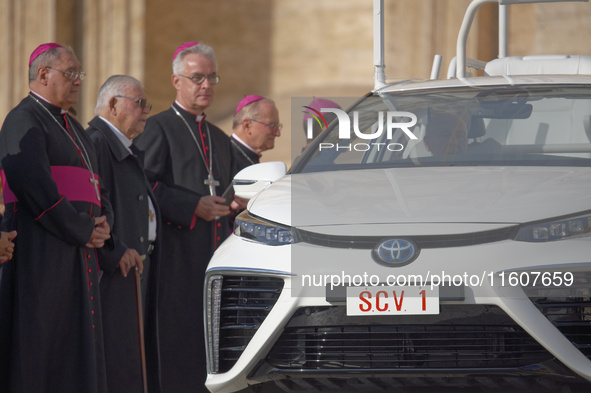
x,y
437,195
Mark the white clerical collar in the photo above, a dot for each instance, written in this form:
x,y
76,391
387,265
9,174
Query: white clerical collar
x,y
121,136
127,143
63,111
244,144
198,118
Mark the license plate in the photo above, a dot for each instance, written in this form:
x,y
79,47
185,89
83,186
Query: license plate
x,y
411,300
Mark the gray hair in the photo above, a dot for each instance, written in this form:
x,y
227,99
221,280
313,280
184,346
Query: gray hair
x,y
250,111
47,59
115,85
200,49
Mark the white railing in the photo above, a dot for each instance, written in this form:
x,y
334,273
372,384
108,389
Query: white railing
x,y
503,24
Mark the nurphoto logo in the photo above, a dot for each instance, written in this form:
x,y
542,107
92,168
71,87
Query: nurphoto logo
x,y
387,122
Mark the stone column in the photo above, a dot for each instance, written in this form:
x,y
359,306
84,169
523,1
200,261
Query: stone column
x,y
24,25
107,36
113,43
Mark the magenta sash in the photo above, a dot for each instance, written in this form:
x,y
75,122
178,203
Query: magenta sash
x,y
74,183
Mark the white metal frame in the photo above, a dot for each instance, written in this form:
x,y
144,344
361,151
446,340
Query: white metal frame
x,y
378,44
461,60
459,63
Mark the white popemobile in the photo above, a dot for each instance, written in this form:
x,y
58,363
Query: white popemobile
x,y
437,235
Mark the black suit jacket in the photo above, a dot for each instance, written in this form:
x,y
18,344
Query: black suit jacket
x,y
127,189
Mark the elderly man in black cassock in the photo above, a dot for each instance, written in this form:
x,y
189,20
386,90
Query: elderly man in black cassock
x,y
122,108
52,197
255,127
190,162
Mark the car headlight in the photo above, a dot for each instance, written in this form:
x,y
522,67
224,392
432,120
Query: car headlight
x,y
266,232
578,226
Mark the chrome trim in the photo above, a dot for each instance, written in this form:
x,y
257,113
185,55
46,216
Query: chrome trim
x,y
249,271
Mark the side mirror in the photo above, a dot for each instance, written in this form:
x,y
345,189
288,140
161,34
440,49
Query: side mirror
x,y
255,178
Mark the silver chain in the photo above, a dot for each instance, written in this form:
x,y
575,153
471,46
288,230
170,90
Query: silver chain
x,y
241,151
210,167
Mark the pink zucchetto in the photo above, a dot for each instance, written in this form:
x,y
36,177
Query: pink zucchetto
x,y
319,103
182,47
247,100
42,49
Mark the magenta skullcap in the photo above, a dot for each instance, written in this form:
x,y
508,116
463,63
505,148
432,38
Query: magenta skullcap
x,y
42,49
182,47
247,100
319,103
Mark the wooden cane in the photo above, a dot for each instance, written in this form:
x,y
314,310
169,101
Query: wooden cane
x,y
140,323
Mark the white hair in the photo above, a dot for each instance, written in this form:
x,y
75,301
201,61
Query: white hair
x,y
115,85
199,49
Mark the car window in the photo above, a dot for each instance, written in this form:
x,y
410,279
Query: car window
x,y
514,125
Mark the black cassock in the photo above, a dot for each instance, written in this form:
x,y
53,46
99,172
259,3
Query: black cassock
x,y
128,189
244,156
56,341
5,319
173,162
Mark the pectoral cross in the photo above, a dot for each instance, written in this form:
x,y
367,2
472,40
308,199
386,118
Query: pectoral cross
x,y
151,215
212,183
96,189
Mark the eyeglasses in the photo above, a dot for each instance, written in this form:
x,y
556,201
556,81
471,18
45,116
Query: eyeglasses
x,y
71,74
273,126
142,103
199,79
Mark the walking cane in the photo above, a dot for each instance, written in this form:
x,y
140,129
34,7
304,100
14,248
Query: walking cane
x,y
140,323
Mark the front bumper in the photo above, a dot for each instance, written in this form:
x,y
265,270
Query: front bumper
x,y
499,333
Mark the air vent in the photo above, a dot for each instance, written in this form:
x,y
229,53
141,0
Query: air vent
x,y
246,302
572,316
461,337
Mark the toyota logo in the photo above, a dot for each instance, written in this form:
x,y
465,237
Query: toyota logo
x,y
396,252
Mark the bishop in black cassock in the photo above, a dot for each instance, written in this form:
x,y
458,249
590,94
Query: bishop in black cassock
x,y
243,155
255,127
191,163
51,197
57,342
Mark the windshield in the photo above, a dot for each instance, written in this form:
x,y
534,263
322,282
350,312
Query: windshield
x,y
516,125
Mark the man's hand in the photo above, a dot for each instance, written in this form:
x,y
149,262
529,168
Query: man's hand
x,y
238,203
100,234
6,246
211,208
131,259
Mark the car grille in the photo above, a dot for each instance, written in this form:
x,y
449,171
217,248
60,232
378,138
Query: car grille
x,y
572,316
462,336
567,306
246,302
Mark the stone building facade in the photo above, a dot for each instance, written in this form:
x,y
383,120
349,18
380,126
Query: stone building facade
x,y
277,48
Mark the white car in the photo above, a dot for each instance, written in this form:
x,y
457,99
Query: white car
x,y
437,235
